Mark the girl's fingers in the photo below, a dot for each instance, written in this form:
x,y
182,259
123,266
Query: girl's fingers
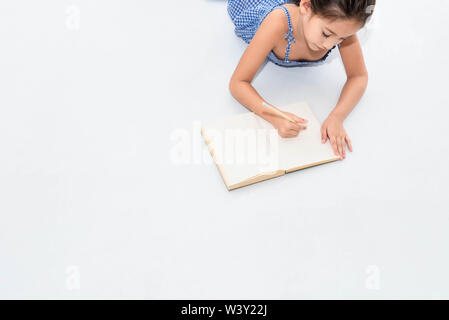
x,y
323,134
340,152
299,119
297,127
334,145
349,143
294,126
334,142
343,147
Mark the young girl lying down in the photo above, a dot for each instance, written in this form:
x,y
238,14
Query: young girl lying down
x,y
295,34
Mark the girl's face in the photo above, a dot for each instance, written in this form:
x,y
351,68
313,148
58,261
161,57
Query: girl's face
x,y
321,33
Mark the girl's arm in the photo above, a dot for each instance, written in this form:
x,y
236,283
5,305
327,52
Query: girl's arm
x,y
357,78
270,30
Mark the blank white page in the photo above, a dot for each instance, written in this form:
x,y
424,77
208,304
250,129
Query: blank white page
x,y
306,149
237,160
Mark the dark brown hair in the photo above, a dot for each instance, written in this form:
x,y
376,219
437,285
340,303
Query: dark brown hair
x,y
360,10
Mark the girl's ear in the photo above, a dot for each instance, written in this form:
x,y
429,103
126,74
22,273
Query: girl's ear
x,y
305,7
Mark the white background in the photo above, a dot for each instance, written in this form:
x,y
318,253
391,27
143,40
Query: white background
x,y
93,206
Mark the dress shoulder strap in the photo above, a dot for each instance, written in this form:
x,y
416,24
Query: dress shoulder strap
x,y
288,35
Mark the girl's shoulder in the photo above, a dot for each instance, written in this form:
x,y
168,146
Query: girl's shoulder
x,y
279,16
277,19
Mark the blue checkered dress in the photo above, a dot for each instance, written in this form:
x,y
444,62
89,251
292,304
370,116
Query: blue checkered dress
x,y
247,15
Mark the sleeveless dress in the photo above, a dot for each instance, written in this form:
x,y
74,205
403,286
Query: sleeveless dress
x,y
247,15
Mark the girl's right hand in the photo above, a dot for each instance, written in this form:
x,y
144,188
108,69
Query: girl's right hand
x,y
286,128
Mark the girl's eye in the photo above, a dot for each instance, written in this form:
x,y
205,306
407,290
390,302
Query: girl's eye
x,y
326,35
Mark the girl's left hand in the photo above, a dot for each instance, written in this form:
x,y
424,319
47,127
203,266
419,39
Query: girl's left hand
x,y
333,128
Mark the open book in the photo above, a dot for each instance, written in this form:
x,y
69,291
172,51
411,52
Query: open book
x,y
248,149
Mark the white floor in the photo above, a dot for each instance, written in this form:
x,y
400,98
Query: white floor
x,y
93,206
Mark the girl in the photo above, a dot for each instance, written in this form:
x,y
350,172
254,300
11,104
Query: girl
x,y
300,33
